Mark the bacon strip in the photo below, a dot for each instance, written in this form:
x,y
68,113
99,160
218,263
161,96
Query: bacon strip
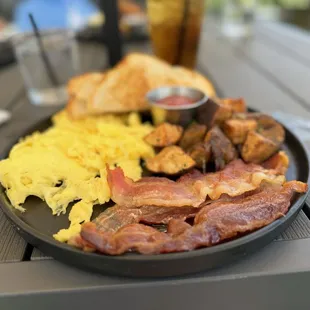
x,y
214,223
112,219
191,189
150,191
279,162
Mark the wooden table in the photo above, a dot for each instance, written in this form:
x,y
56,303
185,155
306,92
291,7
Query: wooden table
x,y
272,72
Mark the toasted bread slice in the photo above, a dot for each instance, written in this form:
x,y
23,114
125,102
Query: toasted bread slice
x,y
80,89
124,88
186,77
75,84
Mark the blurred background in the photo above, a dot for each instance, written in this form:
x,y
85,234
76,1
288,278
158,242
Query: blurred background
x,y
85,17
78,13
290,11
81,14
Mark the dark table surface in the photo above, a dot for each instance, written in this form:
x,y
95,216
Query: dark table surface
x,y
271,71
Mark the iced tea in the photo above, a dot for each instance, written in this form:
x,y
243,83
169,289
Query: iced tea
x,y
175,27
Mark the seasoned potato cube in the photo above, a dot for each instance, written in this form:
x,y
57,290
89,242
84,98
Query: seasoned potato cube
x,y
257,148
201,153
237,105
253,115
164,135
274,132
236,129
222,149
266,126
213,112
171,160
193,134
264,121
278,162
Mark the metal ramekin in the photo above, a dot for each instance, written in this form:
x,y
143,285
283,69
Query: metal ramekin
x,y
181,115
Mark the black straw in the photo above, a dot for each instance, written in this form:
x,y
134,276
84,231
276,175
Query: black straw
x,y
182,33
46,61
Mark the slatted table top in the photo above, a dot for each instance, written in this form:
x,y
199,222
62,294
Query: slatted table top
x,y
271,71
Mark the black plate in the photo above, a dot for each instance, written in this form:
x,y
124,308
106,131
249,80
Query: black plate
x,y
37,225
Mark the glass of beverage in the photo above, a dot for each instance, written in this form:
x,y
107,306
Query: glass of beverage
x,y
61,50
175,27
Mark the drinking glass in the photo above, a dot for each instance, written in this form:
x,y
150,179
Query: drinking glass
x,y
175,27
61,51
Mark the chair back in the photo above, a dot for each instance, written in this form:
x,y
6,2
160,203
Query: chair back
x,y
111,31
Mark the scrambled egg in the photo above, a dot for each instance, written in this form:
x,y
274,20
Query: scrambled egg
x,y
67,163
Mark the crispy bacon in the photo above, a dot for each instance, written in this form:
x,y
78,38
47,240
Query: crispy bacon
x,y
162,215
78,242
177,227
214,223
237,178
150,191
191,189
279,162
112,219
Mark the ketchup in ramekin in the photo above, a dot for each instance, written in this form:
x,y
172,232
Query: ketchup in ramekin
x,y
176,100
176,104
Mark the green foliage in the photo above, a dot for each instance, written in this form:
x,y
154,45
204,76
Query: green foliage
x,y
298,4
289,4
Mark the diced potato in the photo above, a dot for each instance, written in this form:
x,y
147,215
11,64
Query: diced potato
x,y
242,116
257,148
164,135
201,154
267,126
264,121
171,160
193,134
237,129
274,131
278,162
237,105
216,110
263,142
222,149
213,112
251,115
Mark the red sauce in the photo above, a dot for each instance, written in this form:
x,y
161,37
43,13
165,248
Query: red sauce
x,y
176,100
